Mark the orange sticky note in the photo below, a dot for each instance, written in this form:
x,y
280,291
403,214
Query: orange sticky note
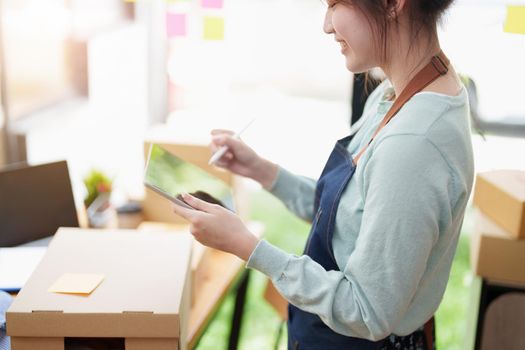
x,y
515,22
76,283
213,28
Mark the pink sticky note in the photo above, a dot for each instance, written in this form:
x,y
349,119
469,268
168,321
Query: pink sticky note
x,y
176,24
214,4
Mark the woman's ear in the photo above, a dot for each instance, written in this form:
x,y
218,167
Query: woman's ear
x,y
395,8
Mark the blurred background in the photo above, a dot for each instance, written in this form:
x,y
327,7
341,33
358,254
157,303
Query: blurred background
x,y
85,80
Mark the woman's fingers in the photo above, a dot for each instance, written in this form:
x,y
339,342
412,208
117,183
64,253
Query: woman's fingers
x,y
198,204
232,143
222,131
219,141
223,163
186,213
214,148
225,159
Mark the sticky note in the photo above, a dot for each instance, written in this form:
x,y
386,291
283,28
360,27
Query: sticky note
x,y
212,4
175,24
76,283
171,2
213,28
515,22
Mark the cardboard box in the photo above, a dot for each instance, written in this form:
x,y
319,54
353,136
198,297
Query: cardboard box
x,y
156,207
494,254
200,256
501,196
144,298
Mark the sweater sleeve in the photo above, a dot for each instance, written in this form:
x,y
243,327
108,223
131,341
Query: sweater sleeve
x,y
296,192
408,194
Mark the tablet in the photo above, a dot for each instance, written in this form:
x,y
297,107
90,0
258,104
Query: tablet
x,y
169,176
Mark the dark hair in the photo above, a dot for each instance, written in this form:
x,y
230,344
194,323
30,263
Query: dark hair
x,y
423,16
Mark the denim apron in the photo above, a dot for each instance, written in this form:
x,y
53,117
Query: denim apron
x,y
306,331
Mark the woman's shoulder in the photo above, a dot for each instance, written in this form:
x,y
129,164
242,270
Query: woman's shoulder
x,y
440,120
431,111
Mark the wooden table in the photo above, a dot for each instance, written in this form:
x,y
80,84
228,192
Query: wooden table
x,y
224,273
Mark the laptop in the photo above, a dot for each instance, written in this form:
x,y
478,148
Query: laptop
x,y
34,202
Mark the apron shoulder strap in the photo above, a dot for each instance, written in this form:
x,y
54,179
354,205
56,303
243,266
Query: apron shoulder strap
x,y
437,67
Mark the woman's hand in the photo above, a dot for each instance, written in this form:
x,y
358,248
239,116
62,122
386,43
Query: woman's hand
x,y
217,227
241,159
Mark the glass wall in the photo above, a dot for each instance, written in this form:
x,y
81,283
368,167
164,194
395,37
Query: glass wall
x,y
473,35
40,62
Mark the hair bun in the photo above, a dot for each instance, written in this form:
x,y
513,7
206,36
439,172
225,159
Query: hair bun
x,y
434,6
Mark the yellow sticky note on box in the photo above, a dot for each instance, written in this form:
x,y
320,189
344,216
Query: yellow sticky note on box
x,y
515,22
213,28
76,283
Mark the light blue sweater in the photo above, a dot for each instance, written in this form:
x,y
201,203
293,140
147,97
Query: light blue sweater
x,y
397,225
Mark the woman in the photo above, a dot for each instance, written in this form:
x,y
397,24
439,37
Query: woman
x,y
387,210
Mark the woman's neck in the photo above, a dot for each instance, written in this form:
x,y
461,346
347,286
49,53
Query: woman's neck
x,y
407,58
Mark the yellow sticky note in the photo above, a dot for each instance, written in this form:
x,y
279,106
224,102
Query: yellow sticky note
x,y
76,283
515,22
213,28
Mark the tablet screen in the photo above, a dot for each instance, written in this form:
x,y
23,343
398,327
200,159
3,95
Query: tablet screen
x,y
171,175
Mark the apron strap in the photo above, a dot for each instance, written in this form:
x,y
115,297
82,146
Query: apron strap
x,y
428,329
437,67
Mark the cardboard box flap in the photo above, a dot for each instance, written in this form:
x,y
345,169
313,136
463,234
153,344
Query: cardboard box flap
x,y
140,296
500,195
487,227
510,181
494,253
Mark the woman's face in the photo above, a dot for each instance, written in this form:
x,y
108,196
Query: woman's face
x,y
352,30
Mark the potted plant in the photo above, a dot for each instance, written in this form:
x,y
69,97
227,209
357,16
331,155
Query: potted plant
x,y
100,212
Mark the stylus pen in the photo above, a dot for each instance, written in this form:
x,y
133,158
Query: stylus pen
x,y
223,149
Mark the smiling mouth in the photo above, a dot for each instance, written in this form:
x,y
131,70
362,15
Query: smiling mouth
x,y
343,45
